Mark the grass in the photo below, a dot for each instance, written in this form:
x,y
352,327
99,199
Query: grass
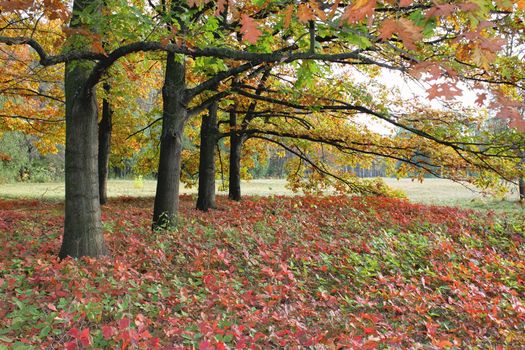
x,y
450,193
119,188
430,191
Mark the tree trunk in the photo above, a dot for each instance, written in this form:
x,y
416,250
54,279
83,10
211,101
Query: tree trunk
x,y
236,140
206,197
522,189
173,120
104,146
82,225
522,180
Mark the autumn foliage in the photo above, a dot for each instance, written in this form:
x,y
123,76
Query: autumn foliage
x,y
277,272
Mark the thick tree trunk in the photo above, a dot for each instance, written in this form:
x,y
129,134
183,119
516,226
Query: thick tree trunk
x,y
82,226
209,132
236,141
173,120
104,146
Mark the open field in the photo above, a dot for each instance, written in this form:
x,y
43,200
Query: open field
x,y
431,191
145,188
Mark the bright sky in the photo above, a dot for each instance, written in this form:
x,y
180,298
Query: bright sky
x,y
410,89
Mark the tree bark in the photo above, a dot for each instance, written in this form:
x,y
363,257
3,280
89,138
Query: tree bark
x,y
522,189
236,141
209,133
521,184
104,146
173,121
82,225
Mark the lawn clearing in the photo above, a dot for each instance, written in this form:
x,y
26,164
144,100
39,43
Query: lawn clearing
x,y
133,188
430,191
267,273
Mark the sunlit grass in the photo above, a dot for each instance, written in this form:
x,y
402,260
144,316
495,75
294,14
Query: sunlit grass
x,y
430,191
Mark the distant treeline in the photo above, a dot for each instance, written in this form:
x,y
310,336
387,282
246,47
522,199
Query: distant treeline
x,y
20,160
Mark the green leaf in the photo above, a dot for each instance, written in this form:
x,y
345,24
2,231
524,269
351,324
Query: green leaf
x,y
259,3
44,331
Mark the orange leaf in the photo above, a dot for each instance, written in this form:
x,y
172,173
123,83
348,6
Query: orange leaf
x,y
405,29
443,343
97,47
55,9
288,16
305,13
319,12
521,4
388,28
409,33
358,11
15,5
165,41
249,29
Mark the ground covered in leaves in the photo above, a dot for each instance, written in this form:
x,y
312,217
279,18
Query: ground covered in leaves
x,y
278,272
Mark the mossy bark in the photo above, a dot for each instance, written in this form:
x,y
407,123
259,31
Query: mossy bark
x,y
174,117
208,136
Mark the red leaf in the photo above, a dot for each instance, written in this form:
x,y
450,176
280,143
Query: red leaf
x,y
368,330
440,10
220,7
468,7
481,99
249,29
370,345
209,281
123,323
154,343
71,345
493,44
518,124
107,332
74,332
433,69
445,90
205,345
84,333
85,338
